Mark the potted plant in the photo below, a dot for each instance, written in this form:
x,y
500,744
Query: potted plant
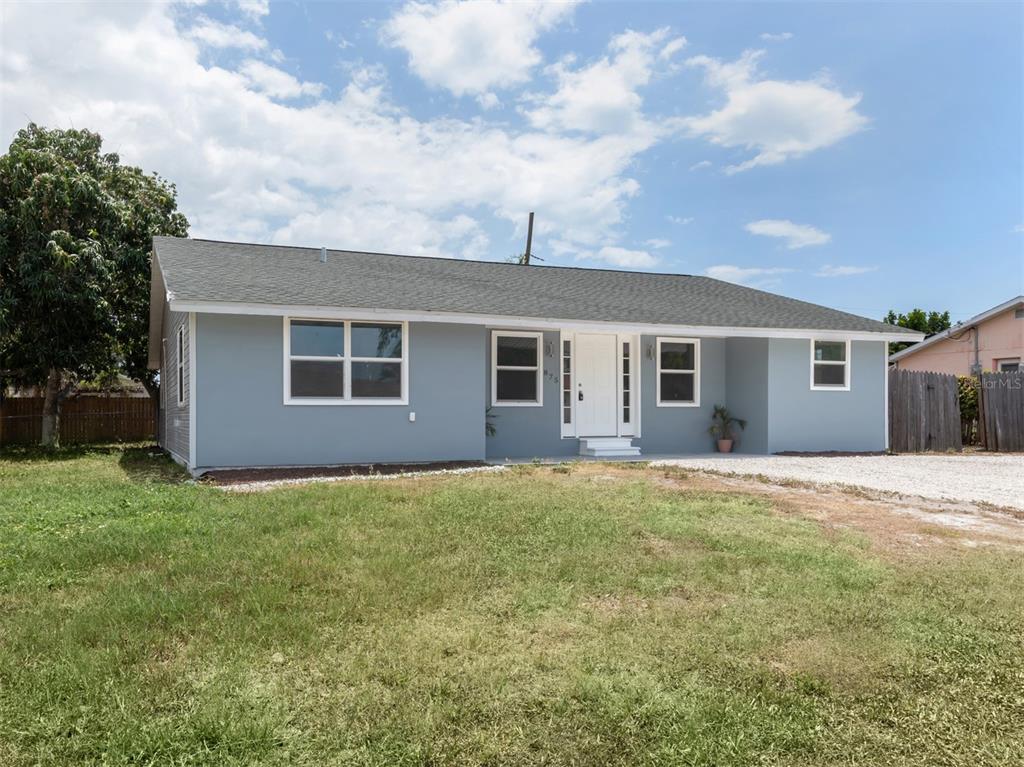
x,y
721,427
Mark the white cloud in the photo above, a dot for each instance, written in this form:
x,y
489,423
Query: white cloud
x,y
488,101
473,47
339,40
658,243
351,169
218,35
1019,228
679,220
777,119
843,271
795,235
776,37
701,164
632,259
602,97
254,8
276,82
753,276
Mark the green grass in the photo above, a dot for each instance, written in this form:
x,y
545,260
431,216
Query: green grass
x,y
539,616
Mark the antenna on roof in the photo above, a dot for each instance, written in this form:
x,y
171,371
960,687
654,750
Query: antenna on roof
x,y
529,241
323,255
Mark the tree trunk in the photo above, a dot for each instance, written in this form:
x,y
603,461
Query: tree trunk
x,y
51,411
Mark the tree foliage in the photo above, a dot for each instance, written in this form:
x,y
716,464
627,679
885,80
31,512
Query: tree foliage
x,y
76,229
928,323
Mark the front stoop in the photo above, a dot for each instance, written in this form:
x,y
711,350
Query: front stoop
x,y
608,447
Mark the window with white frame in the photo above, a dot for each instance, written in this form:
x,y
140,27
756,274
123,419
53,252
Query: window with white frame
x,y
1008,366
830,365
342,361
566,382
516,369
627,381
678,372
180,373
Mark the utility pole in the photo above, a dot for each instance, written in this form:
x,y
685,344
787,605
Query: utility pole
x,y
529,241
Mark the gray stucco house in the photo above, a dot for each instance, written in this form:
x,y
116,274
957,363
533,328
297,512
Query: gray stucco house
x,y
284,356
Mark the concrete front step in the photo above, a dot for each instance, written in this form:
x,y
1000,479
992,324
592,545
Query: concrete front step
x,y
608,447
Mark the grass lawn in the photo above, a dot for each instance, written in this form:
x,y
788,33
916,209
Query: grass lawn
x,y
590,616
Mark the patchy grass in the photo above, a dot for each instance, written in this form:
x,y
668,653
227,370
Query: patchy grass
x,y
546,615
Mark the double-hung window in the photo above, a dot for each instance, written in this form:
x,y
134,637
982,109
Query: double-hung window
x,y
678,372
180,380
830,365
516,369
333,362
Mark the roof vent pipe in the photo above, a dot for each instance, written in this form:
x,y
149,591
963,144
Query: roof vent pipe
x,y
323,255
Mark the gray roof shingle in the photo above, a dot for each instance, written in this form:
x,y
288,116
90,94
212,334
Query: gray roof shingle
x,y
205,270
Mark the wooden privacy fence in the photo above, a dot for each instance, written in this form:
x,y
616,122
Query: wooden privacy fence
x,y
1002,409
85,418
924,412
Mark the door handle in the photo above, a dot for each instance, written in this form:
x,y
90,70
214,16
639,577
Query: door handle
x,y
581,395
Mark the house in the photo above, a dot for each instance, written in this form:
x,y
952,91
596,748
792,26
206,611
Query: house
x,y
275,356
990,341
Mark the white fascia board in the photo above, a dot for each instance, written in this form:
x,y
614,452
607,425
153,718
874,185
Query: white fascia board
x,y
527,323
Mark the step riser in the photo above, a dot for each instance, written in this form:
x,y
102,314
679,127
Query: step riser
x,y
608,447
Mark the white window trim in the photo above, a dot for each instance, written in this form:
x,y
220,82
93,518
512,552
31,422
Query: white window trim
x,y
631,429
847,363
540,371
1006,361
346,361
568,429
179,371
696,371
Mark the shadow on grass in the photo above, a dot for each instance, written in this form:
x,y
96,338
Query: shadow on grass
x,y
29,453
149,463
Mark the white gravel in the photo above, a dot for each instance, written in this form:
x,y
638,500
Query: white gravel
x,y
270,484
990,478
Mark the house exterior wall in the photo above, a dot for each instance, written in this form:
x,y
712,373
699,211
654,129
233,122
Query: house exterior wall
x,y
999,338
746,391
803,419
241,418
530,432
174,432
673,430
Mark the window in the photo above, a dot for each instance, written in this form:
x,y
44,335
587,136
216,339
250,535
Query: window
x,y
516,369
566,382
1008,366
334,362
181,364
678,372
830,365
626,347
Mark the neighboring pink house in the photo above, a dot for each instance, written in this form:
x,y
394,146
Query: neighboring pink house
x,y
991,341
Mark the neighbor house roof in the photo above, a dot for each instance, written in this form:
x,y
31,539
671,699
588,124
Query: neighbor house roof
x,y
977,319
205,275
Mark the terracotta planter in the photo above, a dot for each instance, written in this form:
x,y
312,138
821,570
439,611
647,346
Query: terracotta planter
x,y
725,446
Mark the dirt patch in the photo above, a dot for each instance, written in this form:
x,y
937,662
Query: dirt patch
x,y
830,453
890,523
246,476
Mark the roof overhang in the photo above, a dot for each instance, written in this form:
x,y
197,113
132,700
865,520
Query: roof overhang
x,y
533,323
963,327
157,301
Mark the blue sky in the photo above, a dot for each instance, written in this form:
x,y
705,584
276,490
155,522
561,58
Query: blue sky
x,y
863,156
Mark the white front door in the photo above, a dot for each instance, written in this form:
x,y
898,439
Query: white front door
x,y
596,393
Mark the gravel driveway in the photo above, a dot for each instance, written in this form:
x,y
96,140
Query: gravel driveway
x,y
992,478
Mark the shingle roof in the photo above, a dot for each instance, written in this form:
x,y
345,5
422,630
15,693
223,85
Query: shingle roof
x,y
205,270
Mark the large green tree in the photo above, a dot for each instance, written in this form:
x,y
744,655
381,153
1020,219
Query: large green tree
x,y
928,323
76,229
